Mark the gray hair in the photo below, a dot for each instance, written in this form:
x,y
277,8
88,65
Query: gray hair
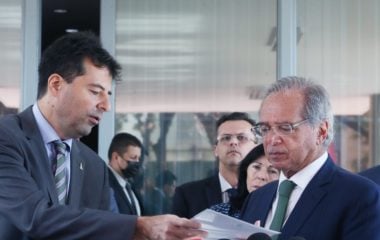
x,y
317,105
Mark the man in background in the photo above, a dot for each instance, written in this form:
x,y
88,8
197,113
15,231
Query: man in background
x,y
124,164
233,142
167,183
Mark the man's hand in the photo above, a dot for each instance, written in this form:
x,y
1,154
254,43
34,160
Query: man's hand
x,y
167,227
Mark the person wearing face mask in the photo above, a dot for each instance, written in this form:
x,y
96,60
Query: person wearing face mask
x,y
124,156
255,171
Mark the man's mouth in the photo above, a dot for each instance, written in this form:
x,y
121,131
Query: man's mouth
x,y
234,152
94,119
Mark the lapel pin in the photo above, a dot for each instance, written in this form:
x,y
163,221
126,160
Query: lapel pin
x,y
81,166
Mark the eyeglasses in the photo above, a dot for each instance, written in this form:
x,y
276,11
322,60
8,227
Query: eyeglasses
x,y
227,138
262,129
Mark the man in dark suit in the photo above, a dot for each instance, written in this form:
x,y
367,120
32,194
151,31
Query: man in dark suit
x,y
51,185
124,156
327,202
233,143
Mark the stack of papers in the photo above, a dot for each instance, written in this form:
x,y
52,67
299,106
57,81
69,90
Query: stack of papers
x,y
221,226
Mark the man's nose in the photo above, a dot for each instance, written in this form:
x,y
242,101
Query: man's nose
x,y
105,104
234,140
273,137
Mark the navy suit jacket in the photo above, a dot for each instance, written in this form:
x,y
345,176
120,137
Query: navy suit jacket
x,y
193,197
123,204
29,206
372,173
336,205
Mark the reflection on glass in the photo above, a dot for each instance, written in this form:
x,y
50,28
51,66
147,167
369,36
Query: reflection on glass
x,y
10,57
339,47
184,62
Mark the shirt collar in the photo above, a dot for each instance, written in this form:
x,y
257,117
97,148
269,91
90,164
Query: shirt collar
x,y
303,177
47,131
224,185
119,178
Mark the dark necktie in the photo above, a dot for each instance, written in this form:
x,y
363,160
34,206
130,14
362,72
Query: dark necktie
x,y
286,187
228,194
59,170
132,199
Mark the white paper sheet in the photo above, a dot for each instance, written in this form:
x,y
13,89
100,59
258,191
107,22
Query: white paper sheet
x,y
221,226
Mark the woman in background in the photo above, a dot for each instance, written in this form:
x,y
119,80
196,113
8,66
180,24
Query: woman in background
x,y
254,171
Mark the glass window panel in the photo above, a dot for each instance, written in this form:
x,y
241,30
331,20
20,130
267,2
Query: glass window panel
x,y
10,57
185,62
339,46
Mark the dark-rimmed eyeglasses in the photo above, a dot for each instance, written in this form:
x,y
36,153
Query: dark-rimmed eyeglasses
x,y
262,129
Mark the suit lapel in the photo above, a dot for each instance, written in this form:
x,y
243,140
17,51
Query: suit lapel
x,y
213,191
122,201
265,204
310,198
258,203
128,202
42,163
78,167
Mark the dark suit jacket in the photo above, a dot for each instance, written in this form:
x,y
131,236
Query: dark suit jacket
x,y
29,206
336,205
372,173
193,197
122,201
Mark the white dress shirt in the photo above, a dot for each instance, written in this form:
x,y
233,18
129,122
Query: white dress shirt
x,y
301,179
224,185
48,136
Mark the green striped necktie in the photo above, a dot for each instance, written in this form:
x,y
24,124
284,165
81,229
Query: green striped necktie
x,y
286,188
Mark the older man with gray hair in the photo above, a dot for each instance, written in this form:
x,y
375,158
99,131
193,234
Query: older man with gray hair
x,y
314,198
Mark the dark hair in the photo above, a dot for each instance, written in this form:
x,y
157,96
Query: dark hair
x,y
235,116
66,55
165,177
242,192
121,141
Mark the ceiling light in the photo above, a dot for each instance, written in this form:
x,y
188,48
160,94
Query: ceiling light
x,y
60,11
71,30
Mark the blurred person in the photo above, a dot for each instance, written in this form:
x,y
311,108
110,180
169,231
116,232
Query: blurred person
x,y
158,194
124,164
233,142
153,198
167,182
52,185
254,172
314,198
355,144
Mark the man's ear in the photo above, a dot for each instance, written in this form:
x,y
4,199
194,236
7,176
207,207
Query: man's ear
x,y
322,132
55,82
215,152
114,155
